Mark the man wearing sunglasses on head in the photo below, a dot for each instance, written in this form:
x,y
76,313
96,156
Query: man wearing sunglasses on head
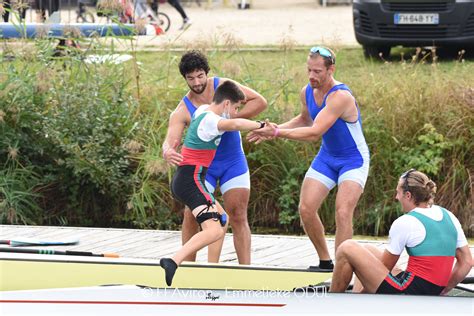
x,y
328,111
432,237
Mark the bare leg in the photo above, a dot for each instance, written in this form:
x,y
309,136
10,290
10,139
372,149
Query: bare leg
x,y
215,249
236,202
352,257
188,230
348,195
312,196
211,232
358,288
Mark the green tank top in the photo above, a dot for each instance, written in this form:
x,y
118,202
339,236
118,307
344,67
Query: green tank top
x,y
192,139
440,239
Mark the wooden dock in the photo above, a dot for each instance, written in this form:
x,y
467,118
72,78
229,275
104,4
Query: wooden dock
x,y
267,250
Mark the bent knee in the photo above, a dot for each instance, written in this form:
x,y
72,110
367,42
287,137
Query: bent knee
x,y
216,232
346,247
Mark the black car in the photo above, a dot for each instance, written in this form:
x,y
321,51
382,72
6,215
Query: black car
x,y
382,24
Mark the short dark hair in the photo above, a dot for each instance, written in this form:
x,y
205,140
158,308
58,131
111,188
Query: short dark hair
x,y
191,61
228,90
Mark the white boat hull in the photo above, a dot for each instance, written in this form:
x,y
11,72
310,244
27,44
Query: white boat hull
x,y
132,300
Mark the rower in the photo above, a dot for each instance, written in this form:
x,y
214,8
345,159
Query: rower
x,y
203,136
432,237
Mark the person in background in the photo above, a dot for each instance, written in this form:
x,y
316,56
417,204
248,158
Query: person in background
x,y
186,20
7,6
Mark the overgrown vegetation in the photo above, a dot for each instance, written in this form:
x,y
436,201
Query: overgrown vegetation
x,y
80,143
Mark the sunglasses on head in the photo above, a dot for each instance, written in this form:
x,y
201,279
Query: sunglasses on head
x,y
405,177
322,52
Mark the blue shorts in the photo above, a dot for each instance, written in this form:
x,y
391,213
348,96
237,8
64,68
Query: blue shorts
x,y
231,173
331,170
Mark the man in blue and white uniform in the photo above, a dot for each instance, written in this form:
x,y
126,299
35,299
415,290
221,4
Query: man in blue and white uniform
x,y
329,111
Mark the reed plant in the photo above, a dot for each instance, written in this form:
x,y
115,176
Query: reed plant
x,y
93,134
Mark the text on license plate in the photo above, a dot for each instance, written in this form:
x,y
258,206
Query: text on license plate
x,y
416,18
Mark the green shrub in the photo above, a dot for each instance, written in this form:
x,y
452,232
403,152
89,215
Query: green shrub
x,y
89,136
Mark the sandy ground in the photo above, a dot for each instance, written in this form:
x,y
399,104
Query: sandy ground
x,y
268,22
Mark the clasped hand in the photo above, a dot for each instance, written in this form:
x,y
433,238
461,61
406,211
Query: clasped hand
x,y
266,133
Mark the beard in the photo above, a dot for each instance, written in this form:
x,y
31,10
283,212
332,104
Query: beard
x,y
198,89
315,84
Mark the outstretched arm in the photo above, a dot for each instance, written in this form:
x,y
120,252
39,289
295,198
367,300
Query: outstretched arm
x,y
334,109
239,124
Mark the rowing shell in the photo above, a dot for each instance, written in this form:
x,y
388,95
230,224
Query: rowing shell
x,y
29,271
132,300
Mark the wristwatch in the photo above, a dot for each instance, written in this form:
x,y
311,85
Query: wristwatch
x,y
262,124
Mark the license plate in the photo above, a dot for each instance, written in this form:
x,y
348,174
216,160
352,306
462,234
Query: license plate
x,y
416,18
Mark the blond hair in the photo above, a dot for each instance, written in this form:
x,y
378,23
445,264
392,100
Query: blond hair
x,y
421,187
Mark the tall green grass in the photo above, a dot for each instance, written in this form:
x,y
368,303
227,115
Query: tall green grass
x,y
101,162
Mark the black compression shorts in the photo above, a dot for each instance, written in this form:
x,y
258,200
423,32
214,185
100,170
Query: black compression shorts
x,y
188,186
408,283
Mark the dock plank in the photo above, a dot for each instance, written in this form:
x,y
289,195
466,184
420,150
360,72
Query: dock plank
x,y
273,250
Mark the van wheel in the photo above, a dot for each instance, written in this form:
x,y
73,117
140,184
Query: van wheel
x,y
377,52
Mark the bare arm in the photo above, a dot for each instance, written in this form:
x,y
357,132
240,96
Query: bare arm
x,y
389,260
337,104
177,122
238,124
461,268
255,103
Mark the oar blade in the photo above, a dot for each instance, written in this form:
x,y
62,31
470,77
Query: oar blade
x,y
17,242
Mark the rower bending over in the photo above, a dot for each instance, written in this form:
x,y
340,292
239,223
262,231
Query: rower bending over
x,y
432,236
200,145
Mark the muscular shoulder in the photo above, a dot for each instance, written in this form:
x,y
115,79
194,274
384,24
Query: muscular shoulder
x,y
303,94
303,91
181,113
340,98
342,103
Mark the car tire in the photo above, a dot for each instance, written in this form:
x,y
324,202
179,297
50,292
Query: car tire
x,y
377,52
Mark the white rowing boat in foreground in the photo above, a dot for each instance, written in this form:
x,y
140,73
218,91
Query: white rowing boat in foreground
x,y
32,284
132,300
